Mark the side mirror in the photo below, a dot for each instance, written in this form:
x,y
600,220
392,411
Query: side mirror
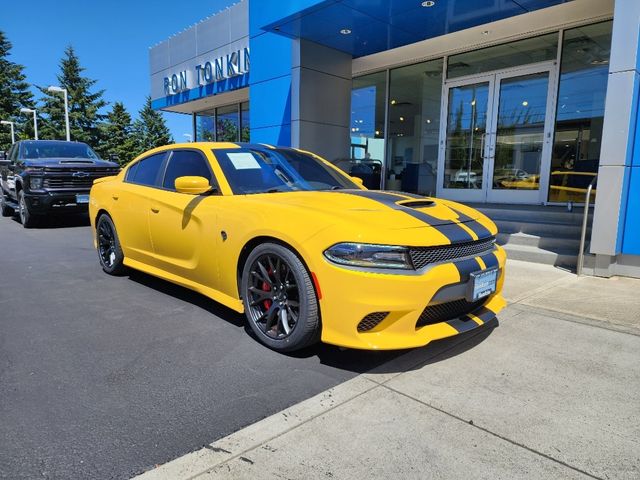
x,y
192,185
3,155
358,180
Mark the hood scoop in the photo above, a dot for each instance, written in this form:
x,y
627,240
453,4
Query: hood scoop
x,y
418,203
86,162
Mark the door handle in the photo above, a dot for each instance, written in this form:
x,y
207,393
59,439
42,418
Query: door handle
x,y
115,197
155,210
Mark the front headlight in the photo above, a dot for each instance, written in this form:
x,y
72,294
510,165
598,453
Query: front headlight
x,y
35,183
367,255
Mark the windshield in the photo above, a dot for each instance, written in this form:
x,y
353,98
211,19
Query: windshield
x,y
281,170
31,150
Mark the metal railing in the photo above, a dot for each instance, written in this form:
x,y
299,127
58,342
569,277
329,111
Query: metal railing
x,y
585,221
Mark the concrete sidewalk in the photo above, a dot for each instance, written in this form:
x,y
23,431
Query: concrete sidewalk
x,y
554,392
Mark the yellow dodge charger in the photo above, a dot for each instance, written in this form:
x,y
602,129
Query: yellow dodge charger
x,y
303,249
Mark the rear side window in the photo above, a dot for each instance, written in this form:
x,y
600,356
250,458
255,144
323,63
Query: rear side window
x,y
146,171
186,163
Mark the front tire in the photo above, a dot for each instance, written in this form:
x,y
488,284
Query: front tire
x,y
26,217
279,299
109,250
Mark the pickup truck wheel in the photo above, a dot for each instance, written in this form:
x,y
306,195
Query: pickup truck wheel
x,y
109,250
26,217
5,209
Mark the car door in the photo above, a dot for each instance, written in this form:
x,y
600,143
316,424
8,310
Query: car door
x,y
131,206
182,225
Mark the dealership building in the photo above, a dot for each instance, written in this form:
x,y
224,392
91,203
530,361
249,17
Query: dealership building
x,y
517,107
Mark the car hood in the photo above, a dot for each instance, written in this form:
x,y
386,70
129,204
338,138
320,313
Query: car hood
x,y
367,210
69,163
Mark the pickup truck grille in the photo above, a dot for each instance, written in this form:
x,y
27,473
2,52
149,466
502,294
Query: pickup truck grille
x,y
67,182
64,179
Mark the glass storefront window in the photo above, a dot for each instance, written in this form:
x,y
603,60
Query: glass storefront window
x,y
466,135
205,126
415,93
499,57
367,130
244,122
227,123
584,71
519,138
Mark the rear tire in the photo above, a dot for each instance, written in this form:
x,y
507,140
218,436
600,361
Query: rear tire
x,y
279,299
26,217
5,209
109,250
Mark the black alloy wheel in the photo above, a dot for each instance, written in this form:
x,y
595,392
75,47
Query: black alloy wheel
x,y
109,251
279,299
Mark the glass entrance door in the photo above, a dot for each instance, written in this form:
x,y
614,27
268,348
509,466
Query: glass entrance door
x,y
497,136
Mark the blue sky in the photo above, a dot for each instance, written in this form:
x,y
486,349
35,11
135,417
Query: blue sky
x,y
112,39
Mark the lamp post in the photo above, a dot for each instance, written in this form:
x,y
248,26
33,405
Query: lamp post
x,y
35,119
55,89
13,135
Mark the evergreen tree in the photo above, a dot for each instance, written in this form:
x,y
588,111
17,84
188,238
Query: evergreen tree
x,y
117,135
150,129
14,95
84,105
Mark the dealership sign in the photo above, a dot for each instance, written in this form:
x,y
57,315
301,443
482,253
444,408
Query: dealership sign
x,y
207,72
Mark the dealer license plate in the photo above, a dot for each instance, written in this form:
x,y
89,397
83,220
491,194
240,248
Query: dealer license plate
x,y
82,198
482,284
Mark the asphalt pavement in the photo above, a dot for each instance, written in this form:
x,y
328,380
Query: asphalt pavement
x,y
106,377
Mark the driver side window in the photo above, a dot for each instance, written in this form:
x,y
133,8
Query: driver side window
x,y
186,163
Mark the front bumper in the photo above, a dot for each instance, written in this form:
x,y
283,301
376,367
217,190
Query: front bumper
x,y
51,202
348,296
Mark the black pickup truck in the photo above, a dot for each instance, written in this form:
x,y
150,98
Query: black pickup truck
x,y
39,177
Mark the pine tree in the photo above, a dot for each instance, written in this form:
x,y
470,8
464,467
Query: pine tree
x,y
117,135
150,129
14,95
84,105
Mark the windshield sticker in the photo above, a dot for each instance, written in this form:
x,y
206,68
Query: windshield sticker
x,y
243,161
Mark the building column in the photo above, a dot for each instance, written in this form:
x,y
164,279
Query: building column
x,y
618,138
320,99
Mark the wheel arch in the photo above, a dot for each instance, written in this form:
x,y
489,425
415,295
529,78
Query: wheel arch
x,y
259,240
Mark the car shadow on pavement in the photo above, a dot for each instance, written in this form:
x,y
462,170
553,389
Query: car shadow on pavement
x,y
60,221
186,295
358,361
397,361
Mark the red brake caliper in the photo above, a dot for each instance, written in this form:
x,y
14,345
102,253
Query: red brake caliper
x,y
266,288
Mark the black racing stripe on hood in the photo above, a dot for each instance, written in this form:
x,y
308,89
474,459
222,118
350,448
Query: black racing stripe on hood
x,y
454,232
480,230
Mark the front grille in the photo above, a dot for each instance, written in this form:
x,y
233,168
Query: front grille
x,y
62,178
371,321
443,312
67,182
423,256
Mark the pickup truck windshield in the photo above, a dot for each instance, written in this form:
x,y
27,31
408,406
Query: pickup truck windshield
x,y
40,149
279,170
